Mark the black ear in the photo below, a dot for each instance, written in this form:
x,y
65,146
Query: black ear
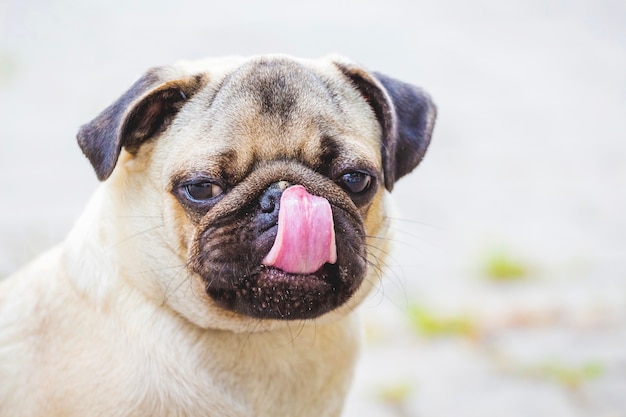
x,y
406,114
146,109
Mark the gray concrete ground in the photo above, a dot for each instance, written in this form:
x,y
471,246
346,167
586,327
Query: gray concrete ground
x,y
506,294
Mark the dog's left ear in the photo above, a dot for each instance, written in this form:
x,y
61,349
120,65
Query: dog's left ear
x,y
406,114
146,109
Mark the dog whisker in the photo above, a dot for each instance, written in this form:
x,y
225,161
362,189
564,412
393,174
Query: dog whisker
x,y
412,221
133,236
382,269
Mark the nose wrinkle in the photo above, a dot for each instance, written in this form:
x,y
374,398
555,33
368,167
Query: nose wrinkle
x,y
249,190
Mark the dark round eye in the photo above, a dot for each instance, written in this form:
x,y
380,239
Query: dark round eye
x,y
356,182
202,191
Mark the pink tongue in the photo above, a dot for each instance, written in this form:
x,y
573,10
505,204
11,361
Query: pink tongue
x,y
306,235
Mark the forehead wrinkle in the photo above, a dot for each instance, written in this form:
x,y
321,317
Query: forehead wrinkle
x,y
277,87
235,117
241,119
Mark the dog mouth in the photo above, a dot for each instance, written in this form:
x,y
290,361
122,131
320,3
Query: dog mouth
x,y
233,262
272,293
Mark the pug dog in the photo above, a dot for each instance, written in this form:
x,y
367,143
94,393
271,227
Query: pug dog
x,y
217,270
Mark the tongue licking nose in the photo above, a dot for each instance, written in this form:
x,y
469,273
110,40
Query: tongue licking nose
x,y
306,235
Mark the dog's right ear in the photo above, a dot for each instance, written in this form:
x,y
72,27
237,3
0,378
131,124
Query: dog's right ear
x,y
146,109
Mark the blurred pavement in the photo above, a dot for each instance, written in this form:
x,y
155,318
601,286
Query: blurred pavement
x,y
506,295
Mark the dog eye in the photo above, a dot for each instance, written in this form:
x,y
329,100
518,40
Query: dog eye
x,y
203,191
356,182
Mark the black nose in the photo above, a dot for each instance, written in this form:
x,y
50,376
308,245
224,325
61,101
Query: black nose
x,y
269,202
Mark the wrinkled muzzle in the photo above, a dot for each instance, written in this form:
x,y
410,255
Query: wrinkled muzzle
x,y
285,243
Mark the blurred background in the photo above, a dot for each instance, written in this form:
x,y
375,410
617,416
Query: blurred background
x,y
506,292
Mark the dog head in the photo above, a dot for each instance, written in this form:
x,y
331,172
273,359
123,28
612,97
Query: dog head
x,y
266,176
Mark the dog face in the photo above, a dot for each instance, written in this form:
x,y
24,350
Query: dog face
x,y
268,177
